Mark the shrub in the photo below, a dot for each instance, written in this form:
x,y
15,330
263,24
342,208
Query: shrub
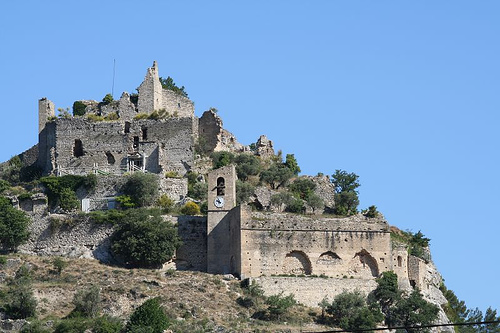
x,y
302,187
315,202
125,201
68,201
144,239
172,174
296,206
79,108
149,317
72,325
34,327
59,265
140,116
350,312
190,208
112,116
3,185
94,117
111,216
279,304
21,302
371,212
13,225
142,188
107,324
86,302
198,190
166,203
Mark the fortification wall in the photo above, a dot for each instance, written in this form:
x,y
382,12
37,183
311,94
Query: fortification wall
x,y
176,104
79,146
275,244
214,136
192,255
311,290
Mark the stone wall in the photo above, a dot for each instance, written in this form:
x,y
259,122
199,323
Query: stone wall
x,y
46,109
214,136
177,105
311,290
275,244
79,146
192,255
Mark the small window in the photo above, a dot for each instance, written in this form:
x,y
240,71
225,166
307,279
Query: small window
x,y
78,148
144,130
178,105
127,127
136,142
221,186
400,261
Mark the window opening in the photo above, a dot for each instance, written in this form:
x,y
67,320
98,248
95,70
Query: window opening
x,y
144,133
78,148
400,261
110,157
127,127
221,186
136,142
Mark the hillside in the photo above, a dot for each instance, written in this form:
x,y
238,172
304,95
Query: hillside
x,y
197,302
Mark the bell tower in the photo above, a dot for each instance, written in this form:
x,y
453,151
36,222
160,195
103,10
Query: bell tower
x,y
221,225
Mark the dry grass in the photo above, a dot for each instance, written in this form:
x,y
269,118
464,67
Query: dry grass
x,y
197,300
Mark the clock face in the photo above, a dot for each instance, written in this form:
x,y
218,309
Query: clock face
x,y
219,202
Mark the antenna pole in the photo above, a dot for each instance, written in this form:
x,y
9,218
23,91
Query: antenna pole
x,y
113,86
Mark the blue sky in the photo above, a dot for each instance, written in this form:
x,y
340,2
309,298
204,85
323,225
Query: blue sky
x,y
405,94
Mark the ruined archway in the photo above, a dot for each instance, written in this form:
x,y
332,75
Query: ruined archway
x,y
363,265
297,263
329,258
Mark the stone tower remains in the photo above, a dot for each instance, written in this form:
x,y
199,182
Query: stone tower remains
x,y
150,91
221,246
46,109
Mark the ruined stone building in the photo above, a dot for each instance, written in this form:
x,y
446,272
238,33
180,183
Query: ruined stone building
x,y
272,248
134,141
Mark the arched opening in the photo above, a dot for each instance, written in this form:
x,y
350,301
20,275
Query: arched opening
x,y
329,258
363,265
78,148
110,157
221,186
297,263
400,261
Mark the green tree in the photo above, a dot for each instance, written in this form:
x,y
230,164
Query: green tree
x,y
13,225
149,317
144,239
413,311
350,312
315,202
387,292
68,201
291,163
142,188
107,99
277,175
79,108
243,191
246,165
21,301
302,187
346,195
169,84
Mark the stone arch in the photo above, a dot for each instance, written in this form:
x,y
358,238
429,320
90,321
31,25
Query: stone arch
x,y
363,265
328,258
297,262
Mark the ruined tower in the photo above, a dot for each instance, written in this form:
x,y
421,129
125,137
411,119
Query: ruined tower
x,y
223,232
150,91
46,109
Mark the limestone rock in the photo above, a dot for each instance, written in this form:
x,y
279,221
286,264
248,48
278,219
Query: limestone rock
x,y
264,147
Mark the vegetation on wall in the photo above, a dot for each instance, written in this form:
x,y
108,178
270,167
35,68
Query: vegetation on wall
x,y
79,108
346,194
61,191
417,243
